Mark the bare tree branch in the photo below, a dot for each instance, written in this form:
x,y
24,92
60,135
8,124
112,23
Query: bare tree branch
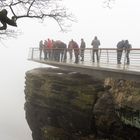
x,y
108,3
9,33
38,9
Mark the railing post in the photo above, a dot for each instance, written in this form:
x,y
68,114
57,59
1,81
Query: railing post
x,y
104,54
124,60
107,56
91,54
100,53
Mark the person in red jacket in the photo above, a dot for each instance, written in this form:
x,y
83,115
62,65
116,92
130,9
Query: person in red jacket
x,y
49,48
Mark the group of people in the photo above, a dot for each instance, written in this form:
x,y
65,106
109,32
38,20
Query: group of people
x,y
57,50
126,46
53,50
73,45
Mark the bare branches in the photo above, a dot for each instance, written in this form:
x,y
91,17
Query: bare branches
x,y
39,9
108,3
9,33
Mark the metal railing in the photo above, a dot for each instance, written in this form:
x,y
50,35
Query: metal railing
x,y
107,57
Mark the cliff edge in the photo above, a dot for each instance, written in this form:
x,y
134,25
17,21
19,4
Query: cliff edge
x,y
65,105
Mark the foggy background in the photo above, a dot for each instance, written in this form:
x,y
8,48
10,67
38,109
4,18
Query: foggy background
x,y
122,21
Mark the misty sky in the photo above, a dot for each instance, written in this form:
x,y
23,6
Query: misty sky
x,y
122,21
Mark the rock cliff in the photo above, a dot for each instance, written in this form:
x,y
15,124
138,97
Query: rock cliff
x,y
65,105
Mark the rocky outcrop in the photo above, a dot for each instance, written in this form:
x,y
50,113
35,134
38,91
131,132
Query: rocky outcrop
x,y
59,103
65,105
127,100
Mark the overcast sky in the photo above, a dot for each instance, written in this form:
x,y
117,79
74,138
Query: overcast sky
x,y
122,21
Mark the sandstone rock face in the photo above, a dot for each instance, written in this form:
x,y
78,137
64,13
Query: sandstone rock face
x,y
59,103
126,96
64,105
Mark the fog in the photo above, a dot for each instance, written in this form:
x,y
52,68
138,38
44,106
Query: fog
x,y
109,24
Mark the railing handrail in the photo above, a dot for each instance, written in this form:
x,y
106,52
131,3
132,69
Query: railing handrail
x,y
88,48
106,55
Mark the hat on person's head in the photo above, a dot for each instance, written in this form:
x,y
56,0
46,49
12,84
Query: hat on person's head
x,y
95,37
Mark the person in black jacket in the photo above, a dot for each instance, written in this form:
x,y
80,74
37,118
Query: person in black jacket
x,y
127,47
120,47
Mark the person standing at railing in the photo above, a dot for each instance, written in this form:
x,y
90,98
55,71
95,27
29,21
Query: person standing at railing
x,y
82,49
41,46
70,49
120,47
49,48
95,43
127,47
74,46
59,52
45,50
53,49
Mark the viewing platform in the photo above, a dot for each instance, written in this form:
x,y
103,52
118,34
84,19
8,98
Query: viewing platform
x,y
106,67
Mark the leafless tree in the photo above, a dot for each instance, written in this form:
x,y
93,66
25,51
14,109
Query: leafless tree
x,y
9,33
108,3
39,9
